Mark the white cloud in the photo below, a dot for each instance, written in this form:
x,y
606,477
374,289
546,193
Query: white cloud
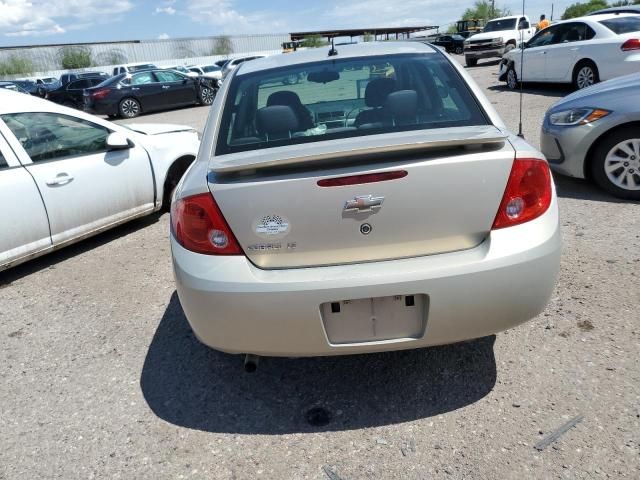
x,y
39,17
167,10
163,36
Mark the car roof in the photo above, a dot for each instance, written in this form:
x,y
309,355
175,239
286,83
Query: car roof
x,y
505,18
366,49
597,18
627,9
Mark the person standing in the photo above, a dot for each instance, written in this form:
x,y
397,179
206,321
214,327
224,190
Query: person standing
x,y
543,23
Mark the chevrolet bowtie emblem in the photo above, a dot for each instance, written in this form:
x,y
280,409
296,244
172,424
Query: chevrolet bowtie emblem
x,y
364,203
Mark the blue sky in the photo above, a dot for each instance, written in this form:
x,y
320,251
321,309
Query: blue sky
x,y
24,22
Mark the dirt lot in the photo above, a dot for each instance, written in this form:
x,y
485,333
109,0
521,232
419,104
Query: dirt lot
x,y
102,377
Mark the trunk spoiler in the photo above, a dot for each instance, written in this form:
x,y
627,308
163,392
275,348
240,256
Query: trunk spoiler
x,y
351,148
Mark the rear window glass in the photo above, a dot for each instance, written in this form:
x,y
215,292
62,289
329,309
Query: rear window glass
x,y
344,98
622,25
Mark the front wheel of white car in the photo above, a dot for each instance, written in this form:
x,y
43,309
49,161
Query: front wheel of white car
x,y
585,74
615,164
512,78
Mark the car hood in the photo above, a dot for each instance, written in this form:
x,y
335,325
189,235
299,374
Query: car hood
x,y
611,88
488,35
157,128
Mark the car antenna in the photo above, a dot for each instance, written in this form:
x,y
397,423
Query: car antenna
x,y
520,132
333,52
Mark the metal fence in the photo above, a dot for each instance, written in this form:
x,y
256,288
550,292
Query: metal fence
x,y
46,60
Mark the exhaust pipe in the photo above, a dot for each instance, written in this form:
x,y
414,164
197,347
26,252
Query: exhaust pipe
x,y
251,363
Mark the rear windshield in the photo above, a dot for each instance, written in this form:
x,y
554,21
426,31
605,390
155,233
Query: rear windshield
x,y
344,98
622,25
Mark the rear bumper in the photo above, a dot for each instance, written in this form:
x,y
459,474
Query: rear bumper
x,y
100,108
235,307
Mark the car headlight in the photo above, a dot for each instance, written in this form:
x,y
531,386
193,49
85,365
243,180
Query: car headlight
x,y
577,116
498,40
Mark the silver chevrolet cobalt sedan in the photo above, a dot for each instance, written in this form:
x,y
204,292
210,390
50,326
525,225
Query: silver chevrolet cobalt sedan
x,y
377,203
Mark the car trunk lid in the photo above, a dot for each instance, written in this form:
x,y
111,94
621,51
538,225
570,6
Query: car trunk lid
x,y
442,196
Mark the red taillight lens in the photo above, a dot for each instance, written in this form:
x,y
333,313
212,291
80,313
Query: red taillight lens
x,y
198,225
100,94
631,44
362,179
528,193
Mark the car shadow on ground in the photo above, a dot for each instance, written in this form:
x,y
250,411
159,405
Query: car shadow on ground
x,y
53,258
544,89
568,187
189,385
490,63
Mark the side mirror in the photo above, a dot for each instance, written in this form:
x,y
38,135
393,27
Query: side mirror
x,y
118,141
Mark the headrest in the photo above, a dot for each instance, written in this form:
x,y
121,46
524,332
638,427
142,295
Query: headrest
x,y
402,105
276,120
377,90
283,97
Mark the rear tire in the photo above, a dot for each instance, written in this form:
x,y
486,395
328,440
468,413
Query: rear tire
x,y
129,108
471,62
615,163
458,50
585,74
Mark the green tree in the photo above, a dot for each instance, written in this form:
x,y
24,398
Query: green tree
x,y
313,41
72,57
223,46
482,9
15,65
581,9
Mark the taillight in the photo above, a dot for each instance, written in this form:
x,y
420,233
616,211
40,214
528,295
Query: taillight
x,y
528,193
198,225
100,94
631,44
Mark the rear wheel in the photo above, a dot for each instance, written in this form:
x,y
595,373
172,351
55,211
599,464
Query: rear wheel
x,y
458,50
129,108
585,74
615,164
512,78
471,62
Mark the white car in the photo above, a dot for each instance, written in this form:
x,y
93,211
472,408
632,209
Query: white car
x,y
213,72
581,51
66,175
499,36
320,221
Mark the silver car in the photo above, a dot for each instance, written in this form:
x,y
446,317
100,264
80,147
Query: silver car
x,y
595,134
354,213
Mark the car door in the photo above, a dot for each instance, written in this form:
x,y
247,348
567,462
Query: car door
x,y
565,50
178,89
25,227
84,186
148,90
534,56
74,91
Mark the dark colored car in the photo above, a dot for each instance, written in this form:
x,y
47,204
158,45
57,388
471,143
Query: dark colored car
x,y
71,94
128,96
451,43
31,87
12,86
70,77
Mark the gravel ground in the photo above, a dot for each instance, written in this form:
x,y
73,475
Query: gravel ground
x,y
102,377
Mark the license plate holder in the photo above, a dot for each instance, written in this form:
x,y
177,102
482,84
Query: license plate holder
x,y
375,319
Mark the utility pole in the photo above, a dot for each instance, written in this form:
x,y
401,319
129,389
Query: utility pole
x,y
493,8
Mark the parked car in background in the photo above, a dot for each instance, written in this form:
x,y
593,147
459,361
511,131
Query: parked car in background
x,y
72,94
133,67
31,87
499,36
49,83
128,96
213,72
581,51
233,64
595,134
70,77
289,238
12,87
184,71
73,175
451,43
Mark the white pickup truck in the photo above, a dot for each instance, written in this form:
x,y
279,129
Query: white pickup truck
x,y
499,36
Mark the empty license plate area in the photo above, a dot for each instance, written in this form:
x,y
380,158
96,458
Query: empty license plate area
x,y
375,319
